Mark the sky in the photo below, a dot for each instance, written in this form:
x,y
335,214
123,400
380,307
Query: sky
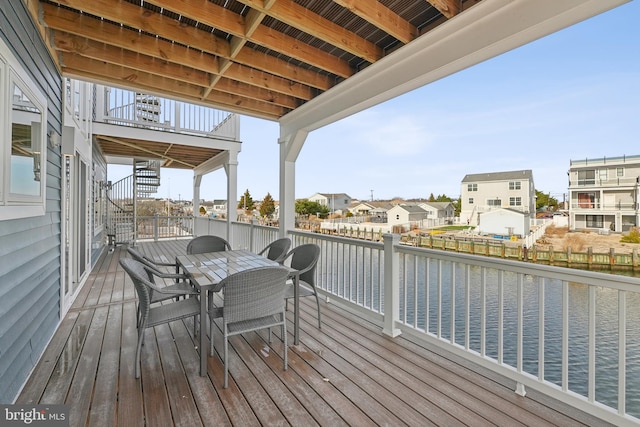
x,y
572,95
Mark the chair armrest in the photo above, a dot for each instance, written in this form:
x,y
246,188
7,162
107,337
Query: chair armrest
x,y
170,275
162,263
176,291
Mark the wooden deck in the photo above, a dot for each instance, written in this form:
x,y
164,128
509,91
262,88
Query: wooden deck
x,y
348,373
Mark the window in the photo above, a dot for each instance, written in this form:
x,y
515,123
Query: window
x,y
587,200
515,201
470,200
619,172
587,177
514,185
23,150
602,175
494,202
472,187
595,221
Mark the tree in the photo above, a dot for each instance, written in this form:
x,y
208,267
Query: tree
x,y
544,200
431,198
246,202
268,206
306,207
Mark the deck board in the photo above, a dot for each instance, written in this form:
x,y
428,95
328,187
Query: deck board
x,y
347,373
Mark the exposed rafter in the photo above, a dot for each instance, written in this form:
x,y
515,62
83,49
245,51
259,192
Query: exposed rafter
x,y
263,58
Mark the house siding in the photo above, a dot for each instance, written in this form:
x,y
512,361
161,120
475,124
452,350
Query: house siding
x,y
30,248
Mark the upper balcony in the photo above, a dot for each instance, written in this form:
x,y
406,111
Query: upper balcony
x,y
128,125
613,182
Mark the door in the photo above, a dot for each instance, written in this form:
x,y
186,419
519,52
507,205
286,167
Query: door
x,y
75,228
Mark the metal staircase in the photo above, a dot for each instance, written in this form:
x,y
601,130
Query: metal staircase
x,y
122,198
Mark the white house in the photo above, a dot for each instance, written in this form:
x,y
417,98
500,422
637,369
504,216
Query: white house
x,y
334,201
444,210
504,222
604,193
483,192
406,216
219,206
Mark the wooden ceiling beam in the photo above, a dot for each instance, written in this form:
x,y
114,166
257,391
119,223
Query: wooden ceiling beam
x,y
137,147
117,56
299,17
132,41
449,8
119,76
170,29
222,19
382,17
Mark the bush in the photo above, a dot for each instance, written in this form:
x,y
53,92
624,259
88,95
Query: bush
x,y
632,237
575,241
554,231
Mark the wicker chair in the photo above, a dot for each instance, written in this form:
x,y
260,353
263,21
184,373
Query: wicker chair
x,y
304,258
277,250
253,300
155,266
142,278
208,243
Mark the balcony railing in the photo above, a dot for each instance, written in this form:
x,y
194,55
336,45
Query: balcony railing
x,y
571,334
596,182
127,108
629,206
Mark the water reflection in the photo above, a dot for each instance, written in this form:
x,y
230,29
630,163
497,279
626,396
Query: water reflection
x,y
500,296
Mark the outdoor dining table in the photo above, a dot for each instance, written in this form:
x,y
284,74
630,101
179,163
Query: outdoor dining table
x,y
207,270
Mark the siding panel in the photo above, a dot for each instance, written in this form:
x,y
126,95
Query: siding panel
x,y
30,248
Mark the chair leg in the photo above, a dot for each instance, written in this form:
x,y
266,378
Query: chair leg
x,y
211,347
139,349
226,352
318,304
286,347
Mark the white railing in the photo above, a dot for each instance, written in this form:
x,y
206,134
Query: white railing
x,y
571,334
562,331
127,108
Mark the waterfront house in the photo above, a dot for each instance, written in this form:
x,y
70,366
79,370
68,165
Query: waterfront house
x,y
439,210
219,206
482,192
604,193
406,217
335,202
84,84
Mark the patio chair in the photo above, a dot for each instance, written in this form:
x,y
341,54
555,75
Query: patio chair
x,y
277,250
142,278
207,243
155,265
304,258
253,300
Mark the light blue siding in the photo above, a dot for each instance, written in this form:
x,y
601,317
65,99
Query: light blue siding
x,y
30,248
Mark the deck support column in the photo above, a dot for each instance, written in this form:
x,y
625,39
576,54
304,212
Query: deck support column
x,y
391,285
291,143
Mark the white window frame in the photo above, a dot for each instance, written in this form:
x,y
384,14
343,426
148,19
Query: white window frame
x,y
14,205
472,187
515,201
515,185
619,172
602,175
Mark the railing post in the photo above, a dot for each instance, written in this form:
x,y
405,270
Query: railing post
x,y
252,231
155,227
391,285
